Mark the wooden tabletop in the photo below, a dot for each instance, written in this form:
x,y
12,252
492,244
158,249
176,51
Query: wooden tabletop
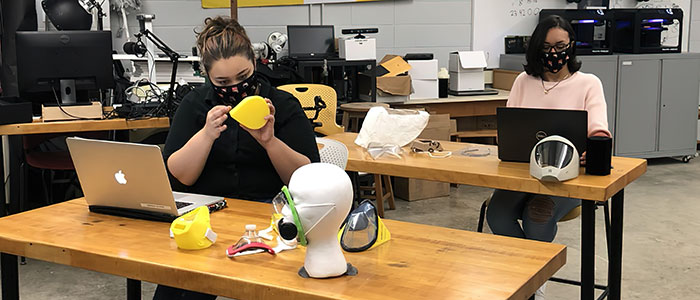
x,y
82,125
361,106
502,95
490,172
420,262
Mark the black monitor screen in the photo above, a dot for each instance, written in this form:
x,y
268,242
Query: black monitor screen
x,y
311,41
45,58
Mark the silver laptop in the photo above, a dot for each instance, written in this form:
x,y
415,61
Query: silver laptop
x,y
130,180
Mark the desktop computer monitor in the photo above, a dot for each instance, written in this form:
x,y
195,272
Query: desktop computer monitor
x,y
63,63
309,42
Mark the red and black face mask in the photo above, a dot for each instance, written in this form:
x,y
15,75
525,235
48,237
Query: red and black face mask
x,y
232,94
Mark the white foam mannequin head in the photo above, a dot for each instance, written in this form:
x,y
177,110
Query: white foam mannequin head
x,y
322,194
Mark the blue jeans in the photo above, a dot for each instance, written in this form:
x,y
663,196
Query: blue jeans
x,y
539,214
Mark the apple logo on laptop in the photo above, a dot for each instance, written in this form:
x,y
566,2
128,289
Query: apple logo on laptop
x,y
120,177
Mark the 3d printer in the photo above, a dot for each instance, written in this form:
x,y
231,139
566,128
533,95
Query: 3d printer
x,y
652,30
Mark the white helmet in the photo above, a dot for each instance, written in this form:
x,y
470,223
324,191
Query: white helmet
x,y
554,159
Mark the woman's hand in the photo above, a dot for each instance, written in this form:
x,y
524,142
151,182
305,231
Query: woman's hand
x,y
266,133
214,125
582,160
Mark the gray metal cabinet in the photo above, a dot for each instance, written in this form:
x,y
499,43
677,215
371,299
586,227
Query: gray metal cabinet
x,y
657,105
679,95
638,101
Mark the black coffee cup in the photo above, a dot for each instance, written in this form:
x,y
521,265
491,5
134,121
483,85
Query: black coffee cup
x,y
442,87
598,155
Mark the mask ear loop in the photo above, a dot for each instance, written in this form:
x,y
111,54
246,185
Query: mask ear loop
x,y
322,217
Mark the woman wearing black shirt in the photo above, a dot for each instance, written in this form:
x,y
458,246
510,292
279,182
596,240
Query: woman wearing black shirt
x,y
209,153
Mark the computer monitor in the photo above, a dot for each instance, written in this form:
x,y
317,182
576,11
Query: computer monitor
x,y
63,62
313,41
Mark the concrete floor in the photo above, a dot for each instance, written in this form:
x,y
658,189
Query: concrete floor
x,y
661,246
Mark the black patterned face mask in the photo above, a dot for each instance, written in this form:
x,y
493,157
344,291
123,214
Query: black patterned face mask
x,y
232,94
555,61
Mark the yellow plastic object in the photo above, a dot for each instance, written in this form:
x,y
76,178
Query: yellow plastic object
x,y
192,231
251,112
383,234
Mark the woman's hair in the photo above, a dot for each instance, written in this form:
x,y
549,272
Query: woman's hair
x,y
534,66
221,38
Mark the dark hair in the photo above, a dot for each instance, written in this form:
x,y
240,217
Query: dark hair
x,y
534,66
222,37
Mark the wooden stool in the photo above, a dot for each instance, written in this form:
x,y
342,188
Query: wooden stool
x,y
382,192
353,113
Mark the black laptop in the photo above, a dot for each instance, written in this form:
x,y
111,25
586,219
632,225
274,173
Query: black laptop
x,y
519,129
311,42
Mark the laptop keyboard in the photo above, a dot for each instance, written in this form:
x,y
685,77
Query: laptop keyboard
x,y
181,204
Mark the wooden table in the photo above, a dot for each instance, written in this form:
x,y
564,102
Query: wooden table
x,y
460,106
38,127
492,173
419,262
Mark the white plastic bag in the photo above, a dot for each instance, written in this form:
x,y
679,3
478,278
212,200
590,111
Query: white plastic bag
x,y
391,127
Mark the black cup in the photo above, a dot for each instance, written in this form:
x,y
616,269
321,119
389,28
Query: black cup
x,y
598,155
442,91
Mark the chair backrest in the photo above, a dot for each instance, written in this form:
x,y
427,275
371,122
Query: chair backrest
x,y
306,93
333,152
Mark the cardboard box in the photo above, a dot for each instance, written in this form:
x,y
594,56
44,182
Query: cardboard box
x,y
503,79
410,189
396,86
392,65
358,49
55,113
423,69
467,70
425,89
392,99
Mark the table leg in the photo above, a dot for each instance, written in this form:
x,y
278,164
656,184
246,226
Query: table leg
x,y
9,270
3,201
133,289
587,249
615,264
15,147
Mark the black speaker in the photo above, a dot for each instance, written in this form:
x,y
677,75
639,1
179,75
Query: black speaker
x,y
598,155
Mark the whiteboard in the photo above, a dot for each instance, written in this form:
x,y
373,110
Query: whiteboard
x,y
685,5
495,19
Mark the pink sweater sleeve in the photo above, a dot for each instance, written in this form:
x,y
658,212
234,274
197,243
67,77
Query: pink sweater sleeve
x,y
597,109
516,92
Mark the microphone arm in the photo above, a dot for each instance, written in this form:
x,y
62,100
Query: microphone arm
x,y
174,58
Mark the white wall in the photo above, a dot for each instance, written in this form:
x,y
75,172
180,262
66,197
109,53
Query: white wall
x,y
436,26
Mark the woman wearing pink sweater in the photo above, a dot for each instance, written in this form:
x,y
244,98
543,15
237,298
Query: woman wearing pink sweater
x,y
551,80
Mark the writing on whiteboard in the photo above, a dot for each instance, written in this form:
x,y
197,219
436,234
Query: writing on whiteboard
x,y
524,8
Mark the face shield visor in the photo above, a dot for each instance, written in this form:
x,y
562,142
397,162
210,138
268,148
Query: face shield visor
x,y
554,159
363,229
290,225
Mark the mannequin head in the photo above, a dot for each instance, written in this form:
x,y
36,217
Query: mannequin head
x,y
322,195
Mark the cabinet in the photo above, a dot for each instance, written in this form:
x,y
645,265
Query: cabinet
x,y
657,98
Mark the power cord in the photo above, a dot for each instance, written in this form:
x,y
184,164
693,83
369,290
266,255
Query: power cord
x,y
58,102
